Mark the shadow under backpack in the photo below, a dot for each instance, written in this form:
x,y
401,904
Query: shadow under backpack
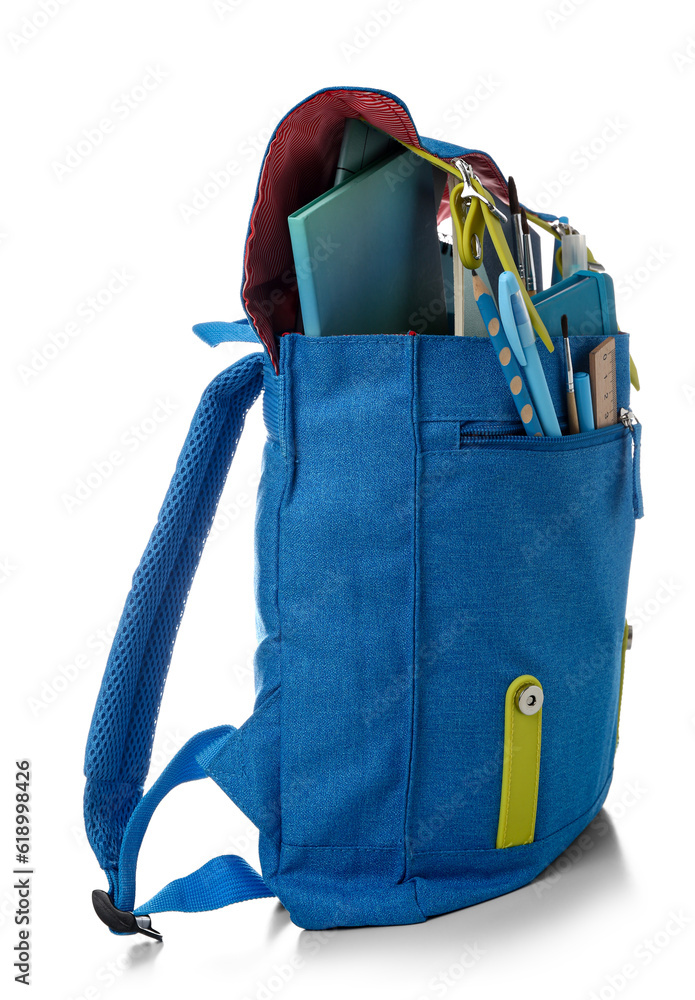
x,y
414,577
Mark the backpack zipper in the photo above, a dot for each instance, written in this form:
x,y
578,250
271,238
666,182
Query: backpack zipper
x,y
480,430
494,434
629,420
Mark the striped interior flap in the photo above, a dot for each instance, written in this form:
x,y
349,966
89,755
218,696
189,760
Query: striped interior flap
x,y
299,165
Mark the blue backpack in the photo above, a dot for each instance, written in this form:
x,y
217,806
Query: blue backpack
x,y
427,577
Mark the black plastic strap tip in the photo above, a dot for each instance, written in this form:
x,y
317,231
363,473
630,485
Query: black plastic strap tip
x,y
122,921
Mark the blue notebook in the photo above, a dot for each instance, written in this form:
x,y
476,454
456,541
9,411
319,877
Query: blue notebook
x,y
367,253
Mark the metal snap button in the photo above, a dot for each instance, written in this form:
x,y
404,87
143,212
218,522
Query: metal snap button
x,y
530,699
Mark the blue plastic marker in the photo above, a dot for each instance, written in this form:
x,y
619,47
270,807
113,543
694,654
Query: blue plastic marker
x,y
522,340
582,392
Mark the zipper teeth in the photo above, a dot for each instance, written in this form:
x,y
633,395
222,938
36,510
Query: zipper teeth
x,y
497,435
483,427
500,436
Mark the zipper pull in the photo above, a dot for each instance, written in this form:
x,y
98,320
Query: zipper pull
x,y
628,418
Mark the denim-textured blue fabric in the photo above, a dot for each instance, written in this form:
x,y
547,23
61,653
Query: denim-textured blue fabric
x,y
410,566
415,552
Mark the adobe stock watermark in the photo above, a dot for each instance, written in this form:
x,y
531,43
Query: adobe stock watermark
x,y
324,246
243,840
231,509
309,945
285,972
129,442
399,688
553,533
448,812
644,954
363,34
65,675
421,318
7,569
249,150
596,654
86,312
627,285
689,392
683,59
580,160
243,672
562,12
165,747
32,25
644,613
108,974
223,8
616,810
8,906
119,111
485,86
446,979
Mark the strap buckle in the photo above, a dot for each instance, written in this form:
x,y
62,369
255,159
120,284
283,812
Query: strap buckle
x,y
469,192
122,921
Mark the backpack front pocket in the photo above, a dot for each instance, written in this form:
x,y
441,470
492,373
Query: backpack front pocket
x,y
523,554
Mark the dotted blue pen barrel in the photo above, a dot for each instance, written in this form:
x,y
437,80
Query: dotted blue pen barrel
x,y
582,393
509,364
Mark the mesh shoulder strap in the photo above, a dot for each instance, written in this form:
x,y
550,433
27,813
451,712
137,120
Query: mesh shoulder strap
x,y
122,731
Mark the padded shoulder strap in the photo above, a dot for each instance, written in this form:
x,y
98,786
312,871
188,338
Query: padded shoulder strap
x,y
120,739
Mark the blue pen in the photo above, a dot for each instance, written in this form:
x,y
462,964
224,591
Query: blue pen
x,y
522,340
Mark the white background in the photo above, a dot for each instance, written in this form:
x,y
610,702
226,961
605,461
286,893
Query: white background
x,y
532,84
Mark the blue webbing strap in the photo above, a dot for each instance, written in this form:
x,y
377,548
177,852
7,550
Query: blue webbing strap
x,y
120,740
217,332
224,880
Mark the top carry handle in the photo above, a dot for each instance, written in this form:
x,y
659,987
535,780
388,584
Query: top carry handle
x,y
122,731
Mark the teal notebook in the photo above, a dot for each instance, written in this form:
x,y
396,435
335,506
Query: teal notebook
x,y
588,301
367,253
